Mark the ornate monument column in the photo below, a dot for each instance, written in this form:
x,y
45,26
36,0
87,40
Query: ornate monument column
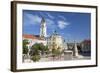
x,y
75,50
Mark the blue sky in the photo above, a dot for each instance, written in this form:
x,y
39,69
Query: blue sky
x,y
70,25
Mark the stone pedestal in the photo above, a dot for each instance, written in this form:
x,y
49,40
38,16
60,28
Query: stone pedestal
x,y
68,55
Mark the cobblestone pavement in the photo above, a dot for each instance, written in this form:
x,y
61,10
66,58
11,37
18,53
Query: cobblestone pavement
x,y
62,58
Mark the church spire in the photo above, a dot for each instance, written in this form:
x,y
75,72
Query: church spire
x,y
43,28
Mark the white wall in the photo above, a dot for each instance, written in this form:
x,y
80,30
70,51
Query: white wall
x,y
5,37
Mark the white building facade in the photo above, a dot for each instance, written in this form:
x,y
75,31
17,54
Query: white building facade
x,y
55,41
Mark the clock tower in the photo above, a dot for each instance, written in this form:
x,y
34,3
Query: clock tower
x,y
43,28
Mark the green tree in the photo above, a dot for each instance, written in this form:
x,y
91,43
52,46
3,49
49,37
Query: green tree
x,y
35,58
56,53
35,52
47,50
25,47
42,48
36,49
53,53
59,52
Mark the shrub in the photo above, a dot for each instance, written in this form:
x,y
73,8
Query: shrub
x,y
35,58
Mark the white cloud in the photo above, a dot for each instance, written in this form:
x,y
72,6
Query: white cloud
x,y
50,16
33,19
36,19
50,24
62,24
62,17
42,14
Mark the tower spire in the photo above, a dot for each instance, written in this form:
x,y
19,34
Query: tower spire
x,y
43,28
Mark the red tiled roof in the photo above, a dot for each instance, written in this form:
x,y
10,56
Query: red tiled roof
x,y
29,36
87,41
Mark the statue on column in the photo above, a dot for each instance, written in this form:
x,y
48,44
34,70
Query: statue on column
x,y
75,50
